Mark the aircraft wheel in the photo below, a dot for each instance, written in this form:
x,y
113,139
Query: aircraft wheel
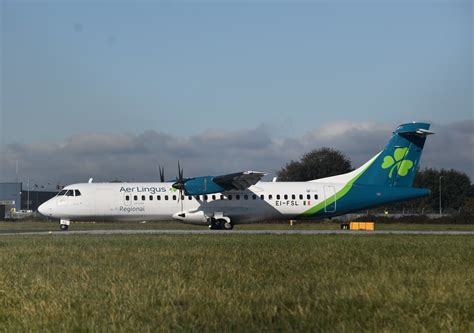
x,y
215,225
227,225
63,227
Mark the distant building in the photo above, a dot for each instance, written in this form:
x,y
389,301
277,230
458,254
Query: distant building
x,y
10,196
33,199
14,198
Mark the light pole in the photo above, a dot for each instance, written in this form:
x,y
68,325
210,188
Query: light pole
x,y
440,206
28,195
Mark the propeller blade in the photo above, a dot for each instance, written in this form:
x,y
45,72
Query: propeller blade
x,y
180,173
179,184
162,173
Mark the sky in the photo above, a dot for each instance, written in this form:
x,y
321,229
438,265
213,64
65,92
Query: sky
x,y
111,89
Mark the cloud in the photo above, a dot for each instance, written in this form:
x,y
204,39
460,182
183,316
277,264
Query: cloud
x,y
452,147
99,143
136,157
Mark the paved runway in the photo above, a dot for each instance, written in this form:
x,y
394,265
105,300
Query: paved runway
x,y
232,232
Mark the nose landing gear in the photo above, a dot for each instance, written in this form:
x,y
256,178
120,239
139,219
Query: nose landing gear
x,y
64,224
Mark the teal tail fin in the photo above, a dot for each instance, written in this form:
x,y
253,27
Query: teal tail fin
x,y
397,164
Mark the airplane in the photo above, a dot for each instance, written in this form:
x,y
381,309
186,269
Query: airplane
x,y
221,202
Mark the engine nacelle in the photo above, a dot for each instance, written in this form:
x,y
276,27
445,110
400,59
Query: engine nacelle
x,y
201,185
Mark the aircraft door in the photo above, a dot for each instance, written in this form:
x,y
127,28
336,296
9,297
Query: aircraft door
x,y
104,202
330,199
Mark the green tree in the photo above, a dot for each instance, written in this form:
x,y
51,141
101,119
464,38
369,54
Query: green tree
x,y
318,163
456,188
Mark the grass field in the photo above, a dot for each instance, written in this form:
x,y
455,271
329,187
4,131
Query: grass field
x,y
237,283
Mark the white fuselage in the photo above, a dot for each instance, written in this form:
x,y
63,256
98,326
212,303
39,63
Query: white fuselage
x,y
159,201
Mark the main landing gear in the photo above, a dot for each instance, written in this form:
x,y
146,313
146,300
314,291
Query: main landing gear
x,y
220,224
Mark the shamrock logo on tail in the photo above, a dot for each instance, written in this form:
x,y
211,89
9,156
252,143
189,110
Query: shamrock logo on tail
x,y
397,162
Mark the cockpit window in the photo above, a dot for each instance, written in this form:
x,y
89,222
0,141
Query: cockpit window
x,y
69,193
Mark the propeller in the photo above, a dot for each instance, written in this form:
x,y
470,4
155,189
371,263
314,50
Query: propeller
x,y
162,173
179,184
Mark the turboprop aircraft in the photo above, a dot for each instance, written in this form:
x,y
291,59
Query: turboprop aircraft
x,y
221,202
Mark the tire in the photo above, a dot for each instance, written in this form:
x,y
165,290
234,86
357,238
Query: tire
x,y
227,225
63,227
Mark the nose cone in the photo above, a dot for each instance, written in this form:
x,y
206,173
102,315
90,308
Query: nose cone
x,y
44,209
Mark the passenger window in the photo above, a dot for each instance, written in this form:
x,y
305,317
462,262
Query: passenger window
x,y
315,197
127,197
151,198
182,197
213,197
246,197
190,197
166,197
254,197
278,197
308,196
301,196
135,197
222,197
78,193
158,197
262,197
205,197
293,197
143,198
237,197
196,197
270,197
285,196
174,197
229,197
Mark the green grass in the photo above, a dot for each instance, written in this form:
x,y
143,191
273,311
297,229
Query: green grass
x,y
228,282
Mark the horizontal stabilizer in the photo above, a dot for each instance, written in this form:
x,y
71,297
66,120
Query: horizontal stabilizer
x,y
418,132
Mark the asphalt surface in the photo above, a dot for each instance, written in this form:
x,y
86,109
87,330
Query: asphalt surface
x,y
231,232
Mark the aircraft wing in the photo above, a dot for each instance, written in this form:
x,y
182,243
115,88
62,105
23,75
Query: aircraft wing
x,y
211,184
239,180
